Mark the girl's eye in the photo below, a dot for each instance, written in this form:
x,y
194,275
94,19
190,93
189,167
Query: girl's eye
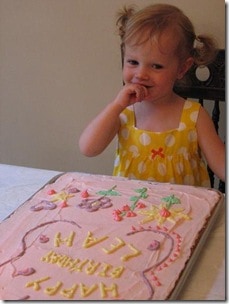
x,y
157,66
132,62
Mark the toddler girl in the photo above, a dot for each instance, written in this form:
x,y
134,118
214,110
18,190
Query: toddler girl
x,y
161,136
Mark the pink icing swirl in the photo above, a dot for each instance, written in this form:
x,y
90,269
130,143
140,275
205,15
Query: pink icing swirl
x,y
43,238
154,245
43,205
25,272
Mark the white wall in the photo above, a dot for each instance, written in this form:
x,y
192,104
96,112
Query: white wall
x,y
59,66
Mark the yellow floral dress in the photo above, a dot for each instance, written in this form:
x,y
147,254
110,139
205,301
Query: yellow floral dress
x,y
172,156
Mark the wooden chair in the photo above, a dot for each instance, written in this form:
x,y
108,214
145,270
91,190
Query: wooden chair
x,y
207,85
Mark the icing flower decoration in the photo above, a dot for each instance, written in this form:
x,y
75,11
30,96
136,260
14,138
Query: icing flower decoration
x,y
161,215
95,204
61,196
164,212
56,197
127,210
43,205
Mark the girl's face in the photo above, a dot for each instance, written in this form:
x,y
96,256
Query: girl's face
x,y
155,65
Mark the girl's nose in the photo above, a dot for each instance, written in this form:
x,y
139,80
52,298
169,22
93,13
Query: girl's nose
x,y
142,74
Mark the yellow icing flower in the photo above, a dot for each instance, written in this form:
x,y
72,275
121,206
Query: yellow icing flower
x,y
61,196
161,214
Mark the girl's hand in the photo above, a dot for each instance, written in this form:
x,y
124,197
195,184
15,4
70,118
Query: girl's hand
x,y
130,94
103,128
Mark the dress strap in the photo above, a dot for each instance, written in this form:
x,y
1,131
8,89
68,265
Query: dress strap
x,y
189,114
128,116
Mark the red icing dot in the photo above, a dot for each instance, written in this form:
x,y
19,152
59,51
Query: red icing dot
x,y
64,204
116,212
125,208
131,214
165,212
141,205
51,192
84,194
117,218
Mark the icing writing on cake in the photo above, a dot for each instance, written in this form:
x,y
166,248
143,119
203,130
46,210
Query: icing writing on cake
x,y
69,240
70,292
88,266
101,269
115,247
91,240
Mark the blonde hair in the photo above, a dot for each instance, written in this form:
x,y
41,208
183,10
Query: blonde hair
x,y
154,20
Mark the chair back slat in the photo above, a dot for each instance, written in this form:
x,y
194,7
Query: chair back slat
x,y
216,115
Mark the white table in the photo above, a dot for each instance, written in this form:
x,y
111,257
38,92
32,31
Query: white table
x,y
205,282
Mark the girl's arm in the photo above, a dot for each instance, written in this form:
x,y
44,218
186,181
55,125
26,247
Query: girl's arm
x,y
210,144
103,128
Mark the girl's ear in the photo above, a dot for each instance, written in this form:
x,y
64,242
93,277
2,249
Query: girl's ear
x,y
185,66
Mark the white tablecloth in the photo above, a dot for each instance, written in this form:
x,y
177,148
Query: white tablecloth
x,y
207,278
